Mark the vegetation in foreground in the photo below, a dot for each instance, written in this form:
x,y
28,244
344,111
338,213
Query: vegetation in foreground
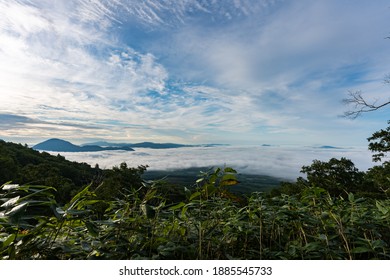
x,y
210,223
337,212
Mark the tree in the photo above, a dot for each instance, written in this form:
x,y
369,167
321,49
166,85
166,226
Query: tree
x,y
119,180
377,179
380,142
336,176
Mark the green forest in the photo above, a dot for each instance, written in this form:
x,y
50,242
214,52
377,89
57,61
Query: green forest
x,y
51,208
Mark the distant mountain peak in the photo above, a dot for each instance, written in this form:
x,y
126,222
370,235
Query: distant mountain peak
x,y
150,145
56,145
329,147
59,145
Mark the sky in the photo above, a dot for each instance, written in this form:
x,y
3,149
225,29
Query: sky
x,y
239,72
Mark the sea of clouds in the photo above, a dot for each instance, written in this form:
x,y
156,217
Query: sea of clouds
x,y
283,162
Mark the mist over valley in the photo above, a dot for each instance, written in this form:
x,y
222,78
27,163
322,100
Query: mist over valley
x,y
282,162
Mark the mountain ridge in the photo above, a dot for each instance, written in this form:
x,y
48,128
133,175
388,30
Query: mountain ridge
x,y
59,145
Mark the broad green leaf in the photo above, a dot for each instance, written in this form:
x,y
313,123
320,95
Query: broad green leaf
x,y
78,196
194,195
230,170
149,195
177,206
44,191
382,208
351,197
360,199
228,177
17,209
184,211
92,229
84,203
10,187
59,212
359,250
10,202
6,241
229,182
378,244
200,180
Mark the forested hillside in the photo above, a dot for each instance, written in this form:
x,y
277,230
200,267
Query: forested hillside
x,y
23,165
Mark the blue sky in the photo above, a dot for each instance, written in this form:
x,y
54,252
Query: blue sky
x,y
190,71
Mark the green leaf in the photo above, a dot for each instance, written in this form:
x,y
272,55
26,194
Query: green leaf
x,y
92,229
10,202
149,195
45,191
200,180
187,192
177,206
148,211
229,170
228,180
351,197
78,196
5,242
59,211
382,208
322,237
183,211
228,177
359,250
10,187
84,203
194,195
17,209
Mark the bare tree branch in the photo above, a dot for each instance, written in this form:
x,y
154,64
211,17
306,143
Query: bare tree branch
x,y
360,105
387,78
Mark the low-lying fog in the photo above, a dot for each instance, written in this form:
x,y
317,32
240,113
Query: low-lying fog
x,y
278,161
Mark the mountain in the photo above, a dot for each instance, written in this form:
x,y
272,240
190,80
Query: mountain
x,y
150,145
59,145
328,147
106,144
158,145
56,145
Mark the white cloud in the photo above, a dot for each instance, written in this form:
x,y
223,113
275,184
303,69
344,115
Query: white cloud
x,y
61,59
306,54
21,19
225,71
279,161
